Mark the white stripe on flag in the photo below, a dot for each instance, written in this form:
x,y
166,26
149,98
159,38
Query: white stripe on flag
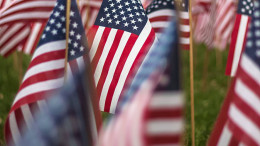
x,y
251,68
112,68
44,67
96,42
225,136
24,16
165,126
184,40
244,123
49,47
32,38
159,24
247,95
39,87
27,115
128,64
239,43
15,132
104,54
167,100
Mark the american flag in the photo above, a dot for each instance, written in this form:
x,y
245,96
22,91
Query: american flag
x,y
241,125
45,73
27,10
238,37
16,31
66,120
151,118
225,12
121,36
160,12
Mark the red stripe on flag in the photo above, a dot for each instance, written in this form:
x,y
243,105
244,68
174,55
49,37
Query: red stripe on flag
x,y
233,45
54,55
139,59
91,35
43,76
131,41
100,48
240,134
108,61
20,119
32,98
163,139
160,18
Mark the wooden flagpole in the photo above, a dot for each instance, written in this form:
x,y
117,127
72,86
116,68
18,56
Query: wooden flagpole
x,y
93,90
67,37
191,79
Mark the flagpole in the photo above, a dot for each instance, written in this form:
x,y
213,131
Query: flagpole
x,y
191,79
89,72
67,37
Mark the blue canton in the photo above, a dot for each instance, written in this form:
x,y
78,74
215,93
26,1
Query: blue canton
x,y
127,15
55,29
160,4
245,7
183,5
253,37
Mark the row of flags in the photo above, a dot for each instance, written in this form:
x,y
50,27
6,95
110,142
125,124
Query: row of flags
x,y
115,51
135,75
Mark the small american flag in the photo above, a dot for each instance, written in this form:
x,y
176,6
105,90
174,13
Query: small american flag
x,y
224,23
45,73
241,111
238,37
119,39
151,117
160,13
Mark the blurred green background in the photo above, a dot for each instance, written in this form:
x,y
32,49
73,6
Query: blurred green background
x,y
210,89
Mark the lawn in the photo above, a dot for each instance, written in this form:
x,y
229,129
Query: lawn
x,y
208,96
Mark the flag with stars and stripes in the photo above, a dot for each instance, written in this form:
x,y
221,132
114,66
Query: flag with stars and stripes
x,y
120,37
239,122
153,114
238,37
45,73
160,13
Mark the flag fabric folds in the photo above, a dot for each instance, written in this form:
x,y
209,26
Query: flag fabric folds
x,y
214,27
45,73
238,37
160,13
20,28
239,121
159,117
66,118
120,38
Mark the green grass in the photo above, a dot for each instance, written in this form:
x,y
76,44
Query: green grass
x,y
208,99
